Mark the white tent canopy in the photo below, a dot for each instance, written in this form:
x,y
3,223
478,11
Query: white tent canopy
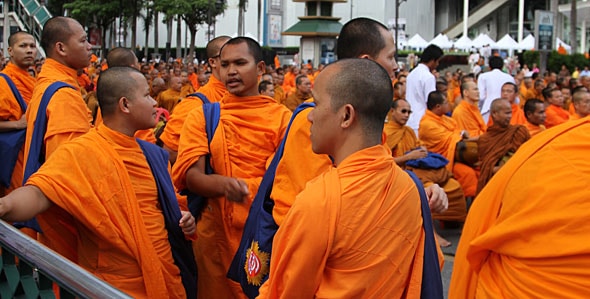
x,y
463,43
417,42
528,43
442,41
482,40
506,43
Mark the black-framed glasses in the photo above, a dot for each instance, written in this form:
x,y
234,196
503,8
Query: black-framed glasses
x,y
404,111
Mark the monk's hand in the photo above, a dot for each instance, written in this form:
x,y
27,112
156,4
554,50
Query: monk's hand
x,y
21,123
187,223
418,154
437,198
236,190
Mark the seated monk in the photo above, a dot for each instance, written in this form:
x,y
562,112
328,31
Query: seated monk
x,y
467,114
555,113
500,142
440,134
170,97
581,103
187,87
534,111
302,92
405,146
509,93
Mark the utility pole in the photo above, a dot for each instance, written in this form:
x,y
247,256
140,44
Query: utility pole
x,y
397,4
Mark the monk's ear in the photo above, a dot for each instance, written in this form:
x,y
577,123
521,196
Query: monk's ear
x,y
348,116
60,48
365,56
260,68
123,105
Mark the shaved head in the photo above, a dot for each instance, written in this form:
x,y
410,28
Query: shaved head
x,y
214,46
56,29
113,84
121,57
360,36
15,36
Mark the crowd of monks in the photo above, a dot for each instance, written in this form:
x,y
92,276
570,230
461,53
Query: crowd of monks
x,y
469,129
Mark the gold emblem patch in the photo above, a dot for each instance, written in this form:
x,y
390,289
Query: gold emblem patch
x,y
256,265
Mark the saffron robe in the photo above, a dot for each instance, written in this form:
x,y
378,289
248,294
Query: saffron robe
x,y
525,235
249,131
168,99
555,115
402,139
113,201
10,110
68,117
214,90
517,118
279,94
294,100
186,90
347,243
469,118
440,134
534,129
495,144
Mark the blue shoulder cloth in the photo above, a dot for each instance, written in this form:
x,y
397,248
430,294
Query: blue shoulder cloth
x,y
251,262
182,250
11,142
36,156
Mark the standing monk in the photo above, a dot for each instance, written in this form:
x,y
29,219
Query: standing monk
x,y
214,90
500,142
109,186
467,114
67,48
250,129
22,50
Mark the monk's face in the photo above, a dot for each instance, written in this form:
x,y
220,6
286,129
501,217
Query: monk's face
x,y
142,107
23,51
76,49
270,91
176,83
305,86
502,114
401,114
556,98
239,71
324,120
471,92
537,117
583,105
508,93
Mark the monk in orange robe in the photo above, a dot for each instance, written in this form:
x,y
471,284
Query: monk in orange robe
x,y
289,81
280,95
467,114
534,111
23,50
170,97
67,114
555,113
509,93
440,134
241,146
581,103
193,78
302,92
115,207
187,87
500,142
326,225
533,200
535,92
214,90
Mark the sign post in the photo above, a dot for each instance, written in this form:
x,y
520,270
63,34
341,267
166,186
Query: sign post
x,y
544,25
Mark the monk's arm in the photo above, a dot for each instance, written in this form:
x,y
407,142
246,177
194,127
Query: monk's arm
x,y
23,204
171,153
7,126
418,153
214,185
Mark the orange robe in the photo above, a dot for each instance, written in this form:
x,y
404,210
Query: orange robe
x,y
440,134
453,92
294,100
194,80
168,99
469,118
10,111
241,147
279,94
289,82
114,204
346,243
186,90
533,129
214,90
146,135
493,146
518,117
68,117
402,139
530,94
525,236
555,115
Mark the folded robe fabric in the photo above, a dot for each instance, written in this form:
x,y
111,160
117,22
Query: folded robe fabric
x,y
525,235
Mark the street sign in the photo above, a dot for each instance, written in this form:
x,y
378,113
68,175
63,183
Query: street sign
x,y
544,23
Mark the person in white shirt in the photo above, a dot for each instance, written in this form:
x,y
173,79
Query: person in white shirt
x,y
420,83
490,85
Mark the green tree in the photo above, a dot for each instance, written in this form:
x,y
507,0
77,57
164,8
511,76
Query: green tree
x,y
193,12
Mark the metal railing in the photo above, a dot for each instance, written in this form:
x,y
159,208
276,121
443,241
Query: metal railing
x,y
38,267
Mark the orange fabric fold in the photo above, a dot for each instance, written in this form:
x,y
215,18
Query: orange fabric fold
x,y
121,234
249,131
353,243
555,115
279,94
523,235
214,90
147,135
469,119
186,90
168,99
10,111
294,100
534,129
400,139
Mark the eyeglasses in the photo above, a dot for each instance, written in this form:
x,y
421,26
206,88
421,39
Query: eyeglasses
x,y
404,111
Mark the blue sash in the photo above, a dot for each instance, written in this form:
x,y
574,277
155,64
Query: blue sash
x,y
182,250
36,156
11,142
431,278
260,228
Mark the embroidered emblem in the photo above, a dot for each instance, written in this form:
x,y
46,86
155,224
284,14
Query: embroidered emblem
x,y
256,266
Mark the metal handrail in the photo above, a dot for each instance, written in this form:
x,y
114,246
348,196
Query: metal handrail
x,y
65,273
